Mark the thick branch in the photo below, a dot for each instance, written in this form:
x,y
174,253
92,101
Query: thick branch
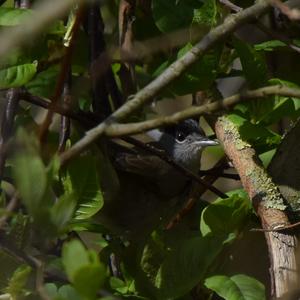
x,y
268,204
170,74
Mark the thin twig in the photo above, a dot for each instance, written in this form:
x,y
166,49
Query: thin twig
x,y
170,74
7,123
277,228
65,123
264,28
127,72
94,28
292,13
12,205
189,174
275,35
65,67
196,193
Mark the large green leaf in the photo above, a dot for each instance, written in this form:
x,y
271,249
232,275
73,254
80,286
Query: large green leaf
x,y
63,209
74,257
43,83
170,15
82,181
269,45
237,287
200,76
207,14
65,292
30,175
225,216
16,285
17,76
13,16
261,137
282,106
186,265
83,268
253,63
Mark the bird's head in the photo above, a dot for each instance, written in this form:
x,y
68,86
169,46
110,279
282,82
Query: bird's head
x,y
184,142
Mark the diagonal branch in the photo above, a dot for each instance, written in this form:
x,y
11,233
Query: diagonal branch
x,y
170,74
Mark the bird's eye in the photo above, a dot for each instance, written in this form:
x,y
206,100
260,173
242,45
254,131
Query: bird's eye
x,y
180,136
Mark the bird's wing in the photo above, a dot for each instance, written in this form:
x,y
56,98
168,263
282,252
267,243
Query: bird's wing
x,y
146,165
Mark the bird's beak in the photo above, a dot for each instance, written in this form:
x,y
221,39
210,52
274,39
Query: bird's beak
x,y
205,142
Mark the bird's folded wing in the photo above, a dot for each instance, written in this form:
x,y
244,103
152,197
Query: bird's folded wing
x,y
146,165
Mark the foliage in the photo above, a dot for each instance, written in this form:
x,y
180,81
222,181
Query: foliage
x,y
62,239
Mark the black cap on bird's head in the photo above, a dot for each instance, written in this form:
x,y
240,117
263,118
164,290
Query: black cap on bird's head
x,y
184,142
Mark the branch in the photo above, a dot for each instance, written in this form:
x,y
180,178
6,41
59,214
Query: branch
x,y
181,169
64,72
65,124
115,130
170,74
195,195
7,123
268,204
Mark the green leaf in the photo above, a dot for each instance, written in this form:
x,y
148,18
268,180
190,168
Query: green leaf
x,y
82,181
207,14
13,16
282,106
253,63
65,292
17,76
225,216
30,174
18,281
186,265
89,279
262,138
170,15
83,268
269,45
63,209
74,257
43,83
198,77
238,287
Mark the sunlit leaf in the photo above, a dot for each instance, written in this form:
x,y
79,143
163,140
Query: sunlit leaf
x,y
83,182
238,287
16,284
185,265
29,170
170,15
17,76
83,268
207,14
253,63
13,16
269,45
225,216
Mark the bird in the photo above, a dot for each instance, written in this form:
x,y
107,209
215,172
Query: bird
x,y
150,189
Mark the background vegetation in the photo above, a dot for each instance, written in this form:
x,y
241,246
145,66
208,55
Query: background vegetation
x,y
74,71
